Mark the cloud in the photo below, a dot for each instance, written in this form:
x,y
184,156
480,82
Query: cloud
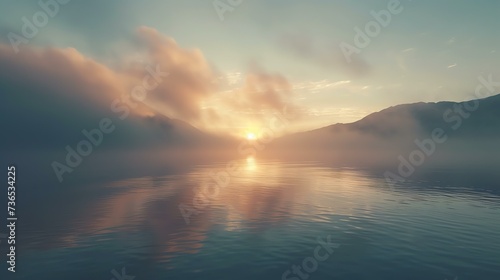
x,y
67,73
262,92
62,72
316,86
190,79
408,50
330,57
53,93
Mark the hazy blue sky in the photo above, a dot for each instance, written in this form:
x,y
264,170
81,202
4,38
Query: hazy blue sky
x,y
433,50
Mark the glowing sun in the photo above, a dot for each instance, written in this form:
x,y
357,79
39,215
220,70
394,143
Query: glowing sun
x,y
250,136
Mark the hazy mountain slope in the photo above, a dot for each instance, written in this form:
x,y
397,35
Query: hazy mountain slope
x,y
379,138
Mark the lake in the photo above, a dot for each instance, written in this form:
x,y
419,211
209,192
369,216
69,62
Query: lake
x,y
272,220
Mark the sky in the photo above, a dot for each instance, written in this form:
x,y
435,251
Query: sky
x,y
233,63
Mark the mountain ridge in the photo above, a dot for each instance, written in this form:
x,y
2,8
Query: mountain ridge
x,y
380,137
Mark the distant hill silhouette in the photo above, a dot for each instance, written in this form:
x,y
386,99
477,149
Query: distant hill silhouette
x,y
472,137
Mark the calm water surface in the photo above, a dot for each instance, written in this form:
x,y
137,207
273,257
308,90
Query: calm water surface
x,y
267,219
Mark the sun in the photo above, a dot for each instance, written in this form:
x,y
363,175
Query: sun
x,y
250,136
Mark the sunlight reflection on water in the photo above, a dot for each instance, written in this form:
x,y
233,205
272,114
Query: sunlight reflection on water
x,y
267,216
